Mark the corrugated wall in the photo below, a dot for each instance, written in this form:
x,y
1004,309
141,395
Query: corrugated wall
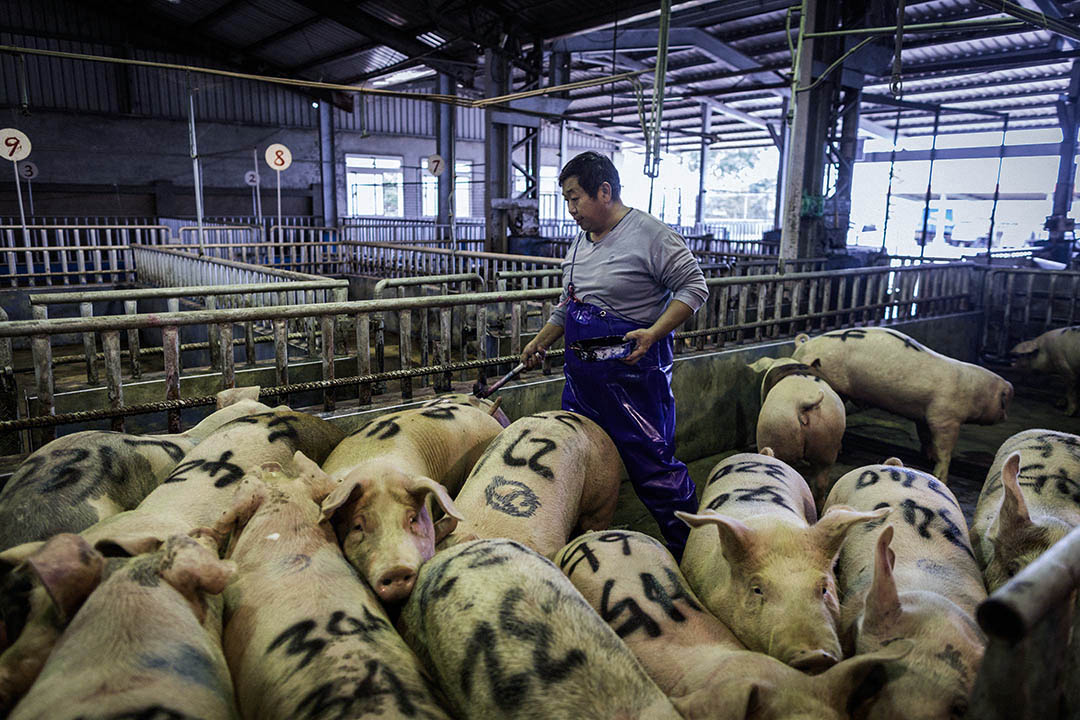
x,y
92,87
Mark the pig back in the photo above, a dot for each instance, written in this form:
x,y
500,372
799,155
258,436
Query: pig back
x,y
505,633
933,551
750,484
441,441
636,586
79,479
298,653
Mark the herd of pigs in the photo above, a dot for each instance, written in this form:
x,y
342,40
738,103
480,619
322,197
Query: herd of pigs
x,y
265,565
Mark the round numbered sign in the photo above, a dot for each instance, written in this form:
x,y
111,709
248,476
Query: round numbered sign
x,y
28,170
278,157
14,145
251,178
436,165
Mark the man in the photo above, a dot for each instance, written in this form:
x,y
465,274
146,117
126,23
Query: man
x,y
630,275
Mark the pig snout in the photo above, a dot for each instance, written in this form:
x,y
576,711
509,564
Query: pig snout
x,y
396,584
812,662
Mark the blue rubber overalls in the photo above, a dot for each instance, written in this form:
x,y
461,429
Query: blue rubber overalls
x,y
635,406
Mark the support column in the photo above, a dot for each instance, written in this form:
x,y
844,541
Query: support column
x,y
327,164
497,154
445,131
706,128
798,136
1068,111
780,139
840,216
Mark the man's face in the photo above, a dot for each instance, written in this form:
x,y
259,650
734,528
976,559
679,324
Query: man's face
x,y
590,213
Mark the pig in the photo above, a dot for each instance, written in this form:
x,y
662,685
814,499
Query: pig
x,y
507,636
636,586
491,407
802,419
539,480
924,588
146,641
192,496
79,479
888,369
760,563
387,469
1056,352
1030,500
304,637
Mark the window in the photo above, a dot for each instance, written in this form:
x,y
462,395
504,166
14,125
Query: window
x,y
429,189
375,185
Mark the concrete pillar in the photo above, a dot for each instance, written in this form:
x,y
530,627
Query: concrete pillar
x,y
798,137
445,130
781,142
327,164
706,128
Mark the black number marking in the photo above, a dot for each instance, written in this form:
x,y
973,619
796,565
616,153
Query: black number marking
x,y
231,473
910,508
908,342
866,479
172,449
765,493
296,642
590,556
352,696
953,534
845,335
342,624
656,592
638,618
571,421
772,470
511,497
534,460
439,412
285,430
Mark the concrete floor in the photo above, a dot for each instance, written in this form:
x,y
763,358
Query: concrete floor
x,y
873,435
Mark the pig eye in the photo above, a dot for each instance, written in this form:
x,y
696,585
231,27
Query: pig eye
x,y
756,589
824,591
413,518
1012,568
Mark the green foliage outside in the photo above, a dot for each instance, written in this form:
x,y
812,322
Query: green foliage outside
x,y
739,183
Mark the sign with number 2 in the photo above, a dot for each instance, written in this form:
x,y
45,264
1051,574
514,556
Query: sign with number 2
x,y
278,157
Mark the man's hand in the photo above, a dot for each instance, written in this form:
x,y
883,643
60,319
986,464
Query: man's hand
x,y
533,354
644,339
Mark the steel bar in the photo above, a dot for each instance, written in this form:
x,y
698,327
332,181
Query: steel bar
x,y
110,343
977,24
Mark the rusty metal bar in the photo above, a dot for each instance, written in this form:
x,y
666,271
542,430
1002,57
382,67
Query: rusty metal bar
x,y
405,349
329,395
179,292
170,342
110,345
86,310
281,352
228,355
363,355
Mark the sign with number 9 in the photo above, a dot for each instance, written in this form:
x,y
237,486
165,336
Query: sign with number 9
x,y
14,145
278,157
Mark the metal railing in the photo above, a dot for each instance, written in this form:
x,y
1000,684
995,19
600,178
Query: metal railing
x,y
1031,668
391,260
218,235
410,231
72,254
166,267
473,328
1022,303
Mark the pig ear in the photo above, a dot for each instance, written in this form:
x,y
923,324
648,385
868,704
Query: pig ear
x,y
855,683
346,491
883,601
1014,513
225,398
762,364
801,338
895,462
15,556
313,477
832,528
69,570
767,451
736,539
422,486
130,545
1028,347
191,567
246,501
806,408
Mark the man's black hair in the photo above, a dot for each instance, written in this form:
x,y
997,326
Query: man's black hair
x,y
592,170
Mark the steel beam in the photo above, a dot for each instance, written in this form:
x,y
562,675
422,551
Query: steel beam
x,y
706,127
967,153
445,119
327,165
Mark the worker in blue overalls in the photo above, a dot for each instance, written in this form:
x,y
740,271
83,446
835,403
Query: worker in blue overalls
x,y
626,274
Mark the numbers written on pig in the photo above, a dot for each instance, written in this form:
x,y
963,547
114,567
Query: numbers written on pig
x,y
1037,476
1047,443
583,550
760,467
907,478
382,429
61,469
438,583
764,493
353,695
281,427
654,592
569,420
229,472
509,690
150,712
511,497
926,521
304,641
533,461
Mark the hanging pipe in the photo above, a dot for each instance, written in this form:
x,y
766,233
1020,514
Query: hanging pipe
x,y
997,191
652,138
929,185
892,168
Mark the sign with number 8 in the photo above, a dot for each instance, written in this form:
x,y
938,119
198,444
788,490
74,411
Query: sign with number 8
x,y
14,145
278,157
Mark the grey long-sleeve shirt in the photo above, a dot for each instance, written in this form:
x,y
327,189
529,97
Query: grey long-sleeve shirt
x,y
636,270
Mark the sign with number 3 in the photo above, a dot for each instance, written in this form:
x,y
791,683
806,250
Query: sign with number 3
x,y
14,145
278,157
